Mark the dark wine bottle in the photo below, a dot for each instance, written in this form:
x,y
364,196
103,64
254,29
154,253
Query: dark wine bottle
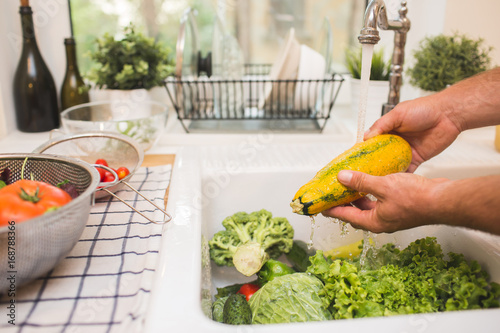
x,y
35,94
73,90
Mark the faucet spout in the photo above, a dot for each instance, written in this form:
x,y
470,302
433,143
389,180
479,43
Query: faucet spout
x,y
369,33
375,18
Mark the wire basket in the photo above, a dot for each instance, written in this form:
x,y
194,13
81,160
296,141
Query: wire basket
x,y
116,149
254,103
32,248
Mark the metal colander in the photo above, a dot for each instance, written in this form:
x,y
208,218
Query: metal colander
x,y
117,149
38,244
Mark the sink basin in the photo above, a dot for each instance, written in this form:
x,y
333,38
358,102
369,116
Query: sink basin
x,y
210,184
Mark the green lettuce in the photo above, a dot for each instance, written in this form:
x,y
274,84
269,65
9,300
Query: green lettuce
x,y
297,297
417,279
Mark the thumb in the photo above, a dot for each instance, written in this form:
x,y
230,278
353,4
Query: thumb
x,y
359,181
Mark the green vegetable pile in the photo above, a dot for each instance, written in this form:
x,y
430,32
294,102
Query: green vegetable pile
x,y
417,279
249,240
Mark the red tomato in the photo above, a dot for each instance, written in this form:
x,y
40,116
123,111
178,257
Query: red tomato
x,y
26,199
101,161
102,173
108,177
122,172
248,289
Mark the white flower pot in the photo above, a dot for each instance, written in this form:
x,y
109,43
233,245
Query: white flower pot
x,y
378,93
113,95
134,98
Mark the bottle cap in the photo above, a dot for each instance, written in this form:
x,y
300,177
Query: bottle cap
x,y
69,41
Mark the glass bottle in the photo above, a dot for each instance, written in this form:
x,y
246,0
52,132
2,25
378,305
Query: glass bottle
x,y
73,90
35,94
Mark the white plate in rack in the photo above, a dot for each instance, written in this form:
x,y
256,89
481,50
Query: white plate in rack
x,y
285,67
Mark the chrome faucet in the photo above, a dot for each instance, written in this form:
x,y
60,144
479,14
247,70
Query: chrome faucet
x,y
376,17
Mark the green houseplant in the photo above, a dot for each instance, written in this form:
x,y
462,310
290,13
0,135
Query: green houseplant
x,y
380,67
444,60
133,62
378,86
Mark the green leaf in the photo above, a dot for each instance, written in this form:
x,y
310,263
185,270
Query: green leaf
x,y
290,298
132,62
443,60
380,69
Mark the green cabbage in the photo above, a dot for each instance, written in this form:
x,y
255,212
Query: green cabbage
x,y
290,298
417,279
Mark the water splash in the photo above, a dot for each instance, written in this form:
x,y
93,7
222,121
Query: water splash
x,y
366,246
344,230
310,244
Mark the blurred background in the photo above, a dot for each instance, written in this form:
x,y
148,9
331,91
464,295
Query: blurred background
x,y
259,25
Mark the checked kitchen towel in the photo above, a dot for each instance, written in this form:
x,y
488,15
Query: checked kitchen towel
x,y
104,284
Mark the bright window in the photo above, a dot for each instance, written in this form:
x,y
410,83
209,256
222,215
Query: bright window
x,y
259,25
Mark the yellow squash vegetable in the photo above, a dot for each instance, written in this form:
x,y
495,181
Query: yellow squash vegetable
x,y
348,251
378,156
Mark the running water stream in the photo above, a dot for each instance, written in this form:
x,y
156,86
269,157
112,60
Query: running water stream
x,y
366,64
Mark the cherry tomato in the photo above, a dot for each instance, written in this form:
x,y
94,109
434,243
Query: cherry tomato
x,y
248,289
108,177
101,161
102,173
26,199
122,172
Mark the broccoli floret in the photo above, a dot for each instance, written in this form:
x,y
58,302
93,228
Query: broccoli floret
x,y
249,240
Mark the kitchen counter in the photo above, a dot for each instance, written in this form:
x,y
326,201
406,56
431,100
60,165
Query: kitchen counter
x,y
474,147
473,154
340,127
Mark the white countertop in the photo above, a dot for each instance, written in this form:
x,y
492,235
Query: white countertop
x,y
341,126
474,147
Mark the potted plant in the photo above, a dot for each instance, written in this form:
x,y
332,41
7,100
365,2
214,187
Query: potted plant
x,y
378,90
128,68
444,60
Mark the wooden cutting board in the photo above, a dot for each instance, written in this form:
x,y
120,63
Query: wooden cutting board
x,y
156,160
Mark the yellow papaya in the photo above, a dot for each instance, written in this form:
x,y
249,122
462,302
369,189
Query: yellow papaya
x,y
378,156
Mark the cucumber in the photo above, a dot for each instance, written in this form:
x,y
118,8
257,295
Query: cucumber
x,y
237,310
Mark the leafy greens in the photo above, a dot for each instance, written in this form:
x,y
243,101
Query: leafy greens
x,y
417,279
290,298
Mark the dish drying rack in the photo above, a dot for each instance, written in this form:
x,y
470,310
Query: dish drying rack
x,y
253,103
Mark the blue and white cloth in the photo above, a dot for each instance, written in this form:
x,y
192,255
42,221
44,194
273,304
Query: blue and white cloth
x,y
104,284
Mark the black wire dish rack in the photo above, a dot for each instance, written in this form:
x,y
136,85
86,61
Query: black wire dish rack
x,y
254,103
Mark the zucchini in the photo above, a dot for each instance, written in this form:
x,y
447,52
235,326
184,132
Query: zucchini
x,y
237,310
378,156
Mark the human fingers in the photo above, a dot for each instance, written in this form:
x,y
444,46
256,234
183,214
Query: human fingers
x,y
358,218
361,182
364,203
387,123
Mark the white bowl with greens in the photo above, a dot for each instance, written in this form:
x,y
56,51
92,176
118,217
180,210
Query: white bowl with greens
x,y
143,121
